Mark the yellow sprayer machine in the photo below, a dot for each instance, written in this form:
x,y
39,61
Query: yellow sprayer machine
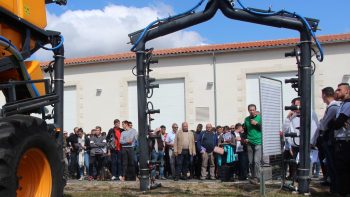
x,y
31,158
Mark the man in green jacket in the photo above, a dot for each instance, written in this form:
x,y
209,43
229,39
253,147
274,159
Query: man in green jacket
x,y
252,126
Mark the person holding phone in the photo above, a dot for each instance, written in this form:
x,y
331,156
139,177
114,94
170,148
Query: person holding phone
x,y
252,126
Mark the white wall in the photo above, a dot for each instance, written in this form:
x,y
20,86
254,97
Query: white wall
x,y
196,70
169,98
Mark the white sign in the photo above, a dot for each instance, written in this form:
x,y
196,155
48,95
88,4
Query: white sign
x,y
271,106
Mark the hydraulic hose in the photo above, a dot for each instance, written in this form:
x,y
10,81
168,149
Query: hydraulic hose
x,y
281,12
164,19
14,51
54,48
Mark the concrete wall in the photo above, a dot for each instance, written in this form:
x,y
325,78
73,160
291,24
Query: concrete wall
x,y
197,70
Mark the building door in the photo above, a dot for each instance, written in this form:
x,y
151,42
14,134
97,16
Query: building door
x,y
169,98
70,108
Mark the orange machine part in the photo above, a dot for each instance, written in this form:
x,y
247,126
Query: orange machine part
x,y
35,174
34,71
33,11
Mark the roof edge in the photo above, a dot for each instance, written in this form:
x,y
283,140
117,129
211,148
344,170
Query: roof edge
x,y
205,49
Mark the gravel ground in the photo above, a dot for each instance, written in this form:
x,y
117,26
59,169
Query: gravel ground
x,y
171,188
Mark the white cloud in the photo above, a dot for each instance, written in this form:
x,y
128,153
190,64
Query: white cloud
x,y
98,32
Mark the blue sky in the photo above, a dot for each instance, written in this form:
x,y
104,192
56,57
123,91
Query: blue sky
x,y
99,27
334,17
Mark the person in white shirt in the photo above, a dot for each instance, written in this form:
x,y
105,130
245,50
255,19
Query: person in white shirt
x,y
292,126
169,142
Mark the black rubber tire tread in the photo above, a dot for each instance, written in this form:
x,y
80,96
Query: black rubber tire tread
x,y
19,133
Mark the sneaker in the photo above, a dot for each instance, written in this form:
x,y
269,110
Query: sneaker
x,y
176,178
184,178
121,178
212,178
113,178
170,177
254,181
202,178
81,178
90,178
162,178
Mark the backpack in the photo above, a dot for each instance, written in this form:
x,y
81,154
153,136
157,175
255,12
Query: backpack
x,y
111,143
229,155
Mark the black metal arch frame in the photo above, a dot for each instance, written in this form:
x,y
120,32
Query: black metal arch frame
x,y
175,24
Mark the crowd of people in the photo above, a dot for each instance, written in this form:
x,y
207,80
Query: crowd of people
x,y
220,152
330,139
204,153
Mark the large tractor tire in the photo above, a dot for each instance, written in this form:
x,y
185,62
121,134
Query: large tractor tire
x,y
30,159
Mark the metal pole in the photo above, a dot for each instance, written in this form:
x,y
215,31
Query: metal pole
x,y
142,117
59,88
58,109
305,119
215,96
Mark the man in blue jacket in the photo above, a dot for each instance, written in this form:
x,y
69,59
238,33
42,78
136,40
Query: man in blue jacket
x,y
206,142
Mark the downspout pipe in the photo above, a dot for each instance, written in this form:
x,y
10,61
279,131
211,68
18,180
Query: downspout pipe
x,y
215,92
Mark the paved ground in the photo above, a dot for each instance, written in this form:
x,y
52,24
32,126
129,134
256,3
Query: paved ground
x,y
171,188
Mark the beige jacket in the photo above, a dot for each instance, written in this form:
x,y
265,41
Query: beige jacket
x,y
179,140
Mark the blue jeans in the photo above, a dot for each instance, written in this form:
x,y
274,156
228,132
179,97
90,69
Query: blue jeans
x,y
158,157
86,164
86,161
116,160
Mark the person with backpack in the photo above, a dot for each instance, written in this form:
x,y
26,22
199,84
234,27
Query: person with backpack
x,y
113,142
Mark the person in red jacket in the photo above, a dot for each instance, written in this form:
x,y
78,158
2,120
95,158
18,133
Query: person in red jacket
x,y
113,140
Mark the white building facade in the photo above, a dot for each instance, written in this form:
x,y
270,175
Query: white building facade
x,y
212,83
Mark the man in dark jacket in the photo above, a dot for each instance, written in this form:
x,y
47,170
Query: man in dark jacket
x,y
72,143
342,140
197,159
206,142
113,140
325,141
